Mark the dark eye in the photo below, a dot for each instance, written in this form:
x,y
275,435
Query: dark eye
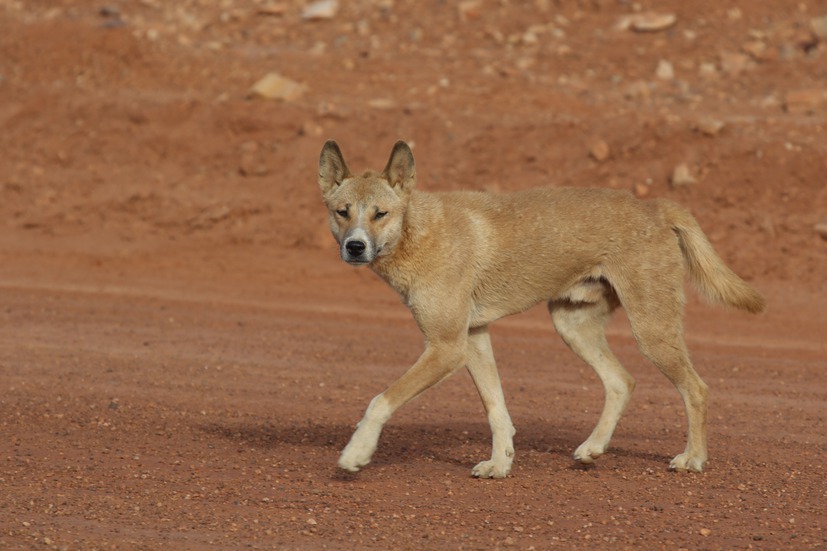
x,y
342,213
379,215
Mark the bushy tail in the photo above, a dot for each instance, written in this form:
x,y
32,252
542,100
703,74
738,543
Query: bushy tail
x,y
713,279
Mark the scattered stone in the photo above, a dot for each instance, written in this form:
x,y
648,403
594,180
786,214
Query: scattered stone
x,y
381,103
733,63
682,176
819,26
759,51
638,90
647,22
250,164
310,128
641,190
109,11
804,102
276,86
312,521
665,71
709,126
324,9
704,532
599,150
276,9
708,70
469,10
821,229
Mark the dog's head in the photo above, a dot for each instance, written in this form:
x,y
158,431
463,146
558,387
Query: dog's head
x,y
367,212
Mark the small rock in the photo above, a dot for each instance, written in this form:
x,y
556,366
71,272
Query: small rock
x,y
381,103
276,86
647,22
310,128
682,176
709,126
639,90
276,9
804,102
819,26
821,229
325,9
641,190
312,522
469,10
665,71
733,63
599,150
109,11
704,532
759,51
708,70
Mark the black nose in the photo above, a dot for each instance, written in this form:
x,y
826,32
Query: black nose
x,y
355,247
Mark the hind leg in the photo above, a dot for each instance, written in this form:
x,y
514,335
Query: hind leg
x,y
483,370
581,325
656,316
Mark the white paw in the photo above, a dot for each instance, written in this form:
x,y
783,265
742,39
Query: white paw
x,y
588,451
491,469
686,462
356,455
360,449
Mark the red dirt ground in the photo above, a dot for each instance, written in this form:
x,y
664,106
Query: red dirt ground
x,y
183,355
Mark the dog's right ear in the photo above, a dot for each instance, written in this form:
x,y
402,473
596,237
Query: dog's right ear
x,y
332,167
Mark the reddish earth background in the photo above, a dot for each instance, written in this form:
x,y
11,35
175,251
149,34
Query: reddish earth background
x,y
183,356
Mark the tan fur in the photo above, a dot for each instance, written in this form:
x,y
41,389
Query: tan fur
x,y
462,260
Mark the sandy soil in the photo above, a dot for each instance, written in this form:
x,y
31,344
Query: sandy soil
x,y
183,355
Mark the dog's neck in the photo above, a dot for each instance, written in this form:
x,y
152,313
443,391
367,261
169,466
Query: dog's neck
x,y
416,240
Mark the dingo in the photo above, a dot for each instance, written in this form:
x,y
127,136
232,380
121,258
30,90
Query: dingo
x,y
462,260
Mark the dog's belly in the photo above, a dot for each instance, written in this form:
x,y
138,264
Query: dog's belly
x,y
485,313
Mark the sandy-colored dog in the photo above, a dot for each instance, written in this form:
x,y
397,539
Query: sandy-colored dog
x,y
462,260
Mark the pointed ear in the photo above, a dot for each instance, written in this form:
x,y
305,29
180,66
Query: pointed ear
x,y
401,170
332,167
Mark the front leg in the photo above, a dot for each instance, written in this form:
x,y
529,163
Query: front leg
x,y
483,370
438,361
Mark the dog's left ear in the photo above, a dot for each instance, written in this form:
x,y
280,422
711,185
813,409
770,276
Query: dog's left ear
x,y
332,167
401,170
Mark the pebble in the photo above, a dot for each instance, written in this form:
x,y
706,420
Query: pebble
x,y
638,90
708,70
733,63
819,26
665,70
682,176
272,9
704,532
641,190
821,229
759,51
276,86
599,150
804,102
381,103
325,9
647,22
709,126
469,10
